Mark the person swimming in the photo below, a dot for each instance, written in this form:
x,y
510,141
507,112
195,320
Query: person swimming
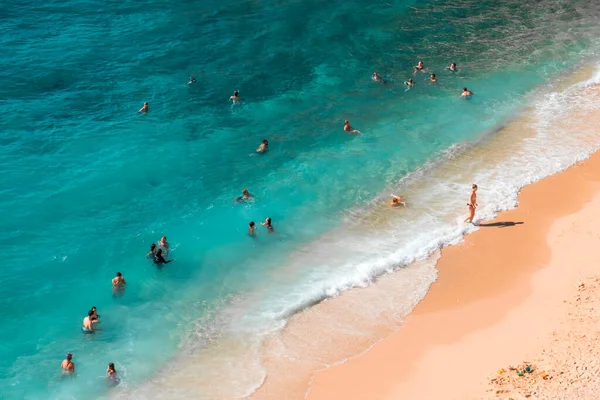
x,y
152,252
419,67
432,78
409,82
268,225
245,196
67,365
111,375
397,201
236,97
377,78
164,245
251,228
349,128
264,146
144,108
192,80
88,323
159,259
452,67
466,93
118,281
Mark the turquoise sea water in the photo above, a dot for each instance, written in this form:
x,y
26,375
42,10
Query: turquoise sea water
x,y
88,183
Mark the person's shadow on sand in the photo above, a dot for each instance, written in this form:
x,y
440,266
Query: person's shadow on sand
x,y
502,224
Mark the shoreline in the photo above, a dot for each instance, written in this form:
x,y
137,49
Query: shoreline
x,y
486,296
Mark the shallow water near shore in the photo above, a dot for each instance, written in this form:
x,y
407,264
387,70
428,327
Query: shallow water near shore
x,y
89,184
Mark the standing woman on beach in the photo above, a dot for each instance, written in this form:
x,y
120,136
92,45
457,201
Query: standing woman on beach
x,y
472,204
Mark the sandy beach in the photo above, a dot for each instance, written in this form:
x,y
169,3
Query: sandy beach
x,y
516,290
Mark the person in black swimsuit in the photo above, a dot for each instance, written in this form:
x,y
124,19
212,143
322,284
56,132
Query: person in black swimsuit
x,y
159,259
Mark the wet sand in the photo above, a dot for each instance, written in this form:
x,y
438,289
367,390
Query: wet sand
x,y
497,299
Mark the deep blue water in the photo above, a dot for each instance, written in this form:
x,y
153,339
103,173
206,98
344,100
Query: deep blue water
x,y
88,183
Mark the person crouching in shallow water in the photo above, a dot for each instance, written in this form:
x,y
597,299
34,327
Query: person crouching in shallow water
x,y
466,93
263,146
111,375
68,366
452,67
251,228
472,204
432,78
349,128
397,201
268,225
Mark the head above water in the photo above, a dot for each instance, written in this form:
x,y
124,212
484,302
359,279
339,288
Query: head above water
x,y
163,239
94,308
346,122
245,192
236,93
268,220
251,224
69,356
152,247
111,367
453,65
90,313
465,89
433,75
119,274
265,142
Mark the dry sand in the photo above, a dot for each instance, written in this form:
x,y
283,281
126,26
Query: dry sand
x,y
508,294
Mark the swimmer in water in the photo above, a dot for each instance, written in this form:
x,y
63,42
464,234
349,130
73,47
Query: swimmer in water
x,y
95,316
245,196
432,78
67,365
349,128
263,146
88,323
251,228
111,375
144,108
164,245
409,82
377,78
235,98
466,93
269,226
152,252
472,204
118,281
452,67
397,201
159,259
419,67
192,80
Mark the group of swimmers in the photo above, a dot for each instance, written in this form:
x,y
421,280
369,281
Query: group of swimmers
x,y
68,368
159,255
89,326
